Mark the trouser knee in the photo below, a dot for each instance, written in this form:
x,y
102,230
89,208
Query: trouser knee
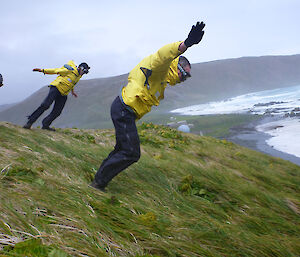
x,y
133,155
57,113
136,155
44,106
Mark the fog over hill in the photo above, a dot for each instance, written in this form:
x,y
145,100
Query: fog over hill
x,y
215,80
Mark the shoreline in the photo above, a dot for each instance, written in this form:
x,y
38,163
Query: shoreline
x,y
247,136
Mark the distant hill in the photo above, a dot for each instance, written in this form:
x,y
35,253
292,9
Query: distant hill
x,y
5,106
187,196
215,80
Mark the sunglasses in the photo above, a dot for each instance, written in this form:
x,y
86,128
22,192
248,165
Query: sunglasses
x,y
184,74
85,70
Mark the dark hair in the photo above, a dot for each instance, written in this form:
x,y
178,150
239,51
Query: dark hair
x,y
84,67
183,61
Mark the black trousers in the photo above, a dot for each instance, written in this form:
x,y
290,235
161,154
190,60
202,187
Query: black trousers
x,y
53,95
127,148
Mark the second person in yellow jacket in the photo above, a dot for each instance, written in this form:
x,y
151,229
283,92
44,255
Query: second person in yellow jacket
x,y
145,88
69,75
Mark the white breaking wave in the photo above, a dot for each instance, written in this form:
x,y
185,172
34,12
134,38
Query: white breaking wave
x,y
285,135
280,102
277,102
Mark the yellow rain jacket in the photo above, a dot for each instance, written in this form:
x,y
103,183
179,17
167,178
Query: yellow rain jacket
x,y
148,80
67,79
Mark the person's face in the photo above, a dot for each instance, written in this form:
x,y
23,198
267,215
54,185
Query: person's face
x,y
180,75
80,71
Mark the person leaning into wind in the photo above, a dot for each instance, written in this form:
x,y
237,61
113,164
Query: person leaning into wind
x,y
145,88
68,77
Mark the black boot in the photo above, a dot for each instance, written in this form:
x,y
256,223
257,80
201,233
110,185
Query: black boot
x,y
48,128
94,184
27,125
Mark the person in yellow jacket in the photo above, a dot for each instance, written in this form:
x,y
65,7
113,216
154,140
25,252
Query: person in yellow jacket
x,y
145,88
69,75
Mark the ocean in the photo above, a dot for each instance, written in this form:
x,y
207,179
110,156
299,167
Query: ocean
x,y
282,103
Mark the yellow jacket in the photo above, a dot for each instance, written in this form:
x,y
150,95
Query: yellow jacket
x,y
67,79
148,80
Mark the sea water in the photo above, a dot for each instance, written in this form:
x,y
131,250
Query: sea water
x,y
282,103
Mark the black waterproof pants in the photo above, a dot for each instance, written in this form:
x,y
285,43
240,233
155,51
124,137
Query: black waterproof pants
x,y
127,148
53,95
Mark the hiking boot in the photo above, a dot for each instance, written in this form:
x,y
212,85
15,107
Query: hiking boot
x,y
48,128
97,186
27,125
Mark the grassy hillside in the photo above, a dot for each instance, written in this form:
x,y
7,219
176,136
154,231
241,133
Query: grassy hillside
x,y
187,196
209,125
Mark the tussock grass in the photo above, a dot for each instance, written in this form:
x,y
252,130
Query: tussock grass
x,y
187,196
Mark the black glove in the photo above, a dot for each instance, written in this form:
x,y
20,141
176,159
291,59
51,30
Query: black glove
x,y
195,34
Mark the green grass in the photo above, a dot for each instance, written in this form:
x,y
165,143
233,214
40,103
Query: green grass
x,y
187,196
209,125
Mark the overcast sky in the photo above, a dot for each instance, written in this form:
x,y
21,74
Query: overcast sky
x,y
113,36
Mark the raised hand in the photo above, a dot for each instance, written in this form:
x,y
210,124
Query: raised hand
x,y
195,34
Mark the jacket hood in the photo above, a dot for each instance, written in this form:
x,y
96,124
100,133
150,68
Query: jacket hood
x,y
72,64
172,77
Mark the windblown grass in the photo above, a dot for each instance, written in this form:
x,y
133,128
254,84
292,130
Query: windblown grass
x,y
187,196
218,125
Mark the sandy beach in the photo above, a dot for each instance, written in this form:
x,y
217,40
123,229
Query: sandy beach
x,y
248,136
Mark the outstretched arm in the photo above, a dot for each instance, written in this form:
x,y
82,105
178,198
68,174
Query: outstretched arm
x,y
166,54
61,71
